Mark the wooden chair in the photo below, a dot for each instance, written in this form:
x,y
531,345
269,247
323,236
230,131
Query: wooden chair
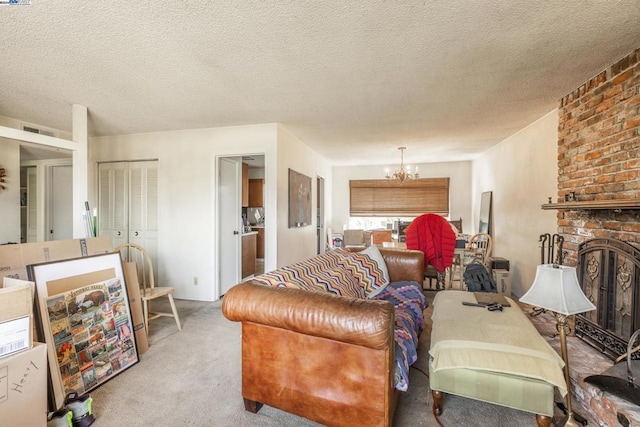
x,y
131,252
478,250
480,246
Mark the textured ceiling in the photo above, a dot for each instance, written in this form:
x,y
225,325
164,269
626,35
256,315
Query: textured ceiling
x,y
448,79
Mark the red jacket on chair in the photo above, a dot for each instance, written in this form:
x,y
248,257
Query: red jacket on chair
x,y
432,234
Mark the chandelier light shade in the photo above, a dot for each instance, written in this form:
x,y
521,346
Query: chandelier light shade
x,y
556,288
404,173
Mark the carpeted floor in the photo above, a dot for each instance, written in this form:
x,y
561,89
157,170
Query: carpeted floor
x,y
192,378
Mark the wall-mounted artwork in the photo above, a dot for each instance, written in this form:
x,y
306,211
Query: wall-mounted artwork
x,y
299,200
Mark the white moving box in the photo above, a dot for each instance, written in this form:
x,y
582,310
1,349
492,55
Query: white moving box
x,y
16,316
23,388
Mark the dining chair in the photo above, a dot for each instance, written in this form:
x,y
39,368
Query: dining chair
x,y
131,252
479,247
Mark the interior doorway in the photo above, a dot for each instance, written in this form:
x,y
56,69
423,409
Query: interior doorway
x,y
320,227
60,202
46,193
239,212
229,188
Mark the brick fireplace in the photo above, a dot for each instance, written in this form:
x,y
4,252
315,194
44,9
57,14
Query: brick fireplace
x,y
599,187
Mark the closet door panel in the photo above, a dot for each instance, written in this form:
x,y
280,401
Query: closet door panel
x,y
143,206
113,204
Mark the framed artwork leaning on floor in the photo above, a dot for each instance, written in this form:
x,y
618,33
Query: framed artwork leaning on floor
x,y
85,319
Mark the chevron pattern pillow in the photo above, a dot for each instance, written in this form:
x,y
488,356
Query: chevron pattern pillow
x,y
366,271
322,273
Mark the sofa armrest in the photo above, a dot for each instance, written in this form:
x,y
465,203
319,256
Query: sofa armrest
x,y
404,264
362,322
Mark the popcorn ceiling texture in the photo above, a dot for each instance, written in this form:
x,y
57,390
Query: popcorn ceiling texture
x,y
446,79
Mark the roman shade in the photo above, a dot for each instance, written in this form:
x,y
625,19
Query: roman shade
x,y
386,197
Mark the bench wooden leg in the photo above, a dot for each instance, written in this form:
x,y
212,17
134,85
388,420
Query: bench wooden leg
x,y
438,398
543,421
252,405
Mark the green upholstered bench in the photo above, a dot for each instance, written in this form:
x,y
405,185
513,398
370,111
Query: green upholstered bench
x,y
493,356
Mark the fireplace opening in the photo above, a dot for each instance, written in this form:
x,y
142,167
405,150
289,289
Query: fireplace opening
x,y
609,273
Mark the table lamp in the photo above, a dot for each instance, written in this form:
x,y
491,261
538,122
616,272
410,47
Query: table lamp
x,y
556,288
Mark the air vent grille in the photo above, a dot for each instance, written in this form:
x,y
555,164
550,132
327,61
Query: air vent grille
x,y
38,131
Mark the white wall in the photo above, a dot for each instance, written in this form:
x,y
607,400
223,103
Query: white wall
x,y
186,189
297,244
459,174
10,197
522,173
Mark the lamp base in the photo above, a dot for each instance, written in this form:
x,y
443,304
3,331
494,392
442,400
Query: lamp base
x,y
571,422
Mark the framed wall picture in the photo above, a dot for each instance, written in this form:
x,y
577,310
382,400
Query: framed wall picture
x,y
299,200
85,320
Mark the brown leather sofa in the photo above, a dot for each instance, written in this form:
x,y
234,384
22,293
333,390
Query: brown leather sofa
x,y
323,357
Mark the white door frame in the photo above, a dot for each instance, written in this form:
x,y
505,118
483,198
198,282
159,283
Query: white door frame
x,y
321,234
228,224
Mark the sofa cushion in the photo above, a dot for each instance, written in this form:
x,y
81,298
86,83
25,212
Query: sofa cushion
x,y
366,271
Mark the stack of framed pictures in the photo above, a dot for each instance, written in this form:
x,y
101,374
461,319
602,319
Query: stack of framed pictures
x,y
85,319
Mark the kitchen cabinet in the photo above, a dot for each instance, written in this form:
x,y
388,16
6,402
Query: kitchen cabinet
x,y
259,242
245,185
249,241
256,199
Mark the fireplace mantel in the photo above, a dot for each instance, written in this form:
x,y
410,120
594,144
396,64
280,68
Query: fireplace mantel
x,y
614,204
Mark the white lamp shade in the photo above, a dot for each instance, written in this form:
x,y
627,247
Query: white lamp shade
x,y
556,288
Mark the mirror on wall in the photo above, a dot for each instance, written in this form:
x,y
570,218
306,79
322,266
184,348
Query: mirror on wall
x,y
484,225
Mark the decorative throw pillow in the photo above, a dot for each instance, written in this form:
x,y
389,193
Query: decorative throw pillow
x,y
375,255
366,271
339,281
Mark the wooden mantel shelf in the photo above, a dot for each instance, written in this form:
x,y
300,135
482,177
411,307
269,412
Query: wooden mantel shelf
x,y
615,204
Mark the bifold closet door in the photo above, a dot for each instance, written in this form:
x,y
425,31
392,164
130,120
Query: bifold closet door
x,y
113,202
128,203
143,207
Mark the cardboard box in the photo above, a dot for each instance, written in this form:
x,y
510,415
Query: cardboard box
x,y
135,303
503,281
498,263
23,388
16,316
14,259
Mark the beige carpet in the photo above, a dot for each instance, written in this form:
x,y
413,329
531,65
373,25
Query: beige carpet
x,y
192,378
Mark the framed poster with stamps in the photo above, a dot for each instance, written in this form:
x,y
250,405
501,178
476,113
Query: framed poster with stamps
x,y
85,320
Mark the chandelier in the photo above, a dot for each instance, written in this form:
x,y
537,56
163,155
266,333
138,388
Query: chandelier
x,y
402,174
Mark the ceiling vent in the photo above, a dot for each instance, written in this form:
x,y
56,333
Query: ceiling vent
x,y
33,129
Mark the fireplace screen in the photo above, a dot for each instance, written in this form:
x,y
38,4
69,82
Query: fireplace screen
x,y
609,272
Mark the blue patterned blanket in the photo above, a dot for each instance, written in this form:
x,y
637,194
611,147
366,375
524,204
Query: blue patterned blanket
x,y
409,303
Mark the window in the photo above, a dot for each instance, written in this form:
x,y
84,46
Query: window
x,y
384,197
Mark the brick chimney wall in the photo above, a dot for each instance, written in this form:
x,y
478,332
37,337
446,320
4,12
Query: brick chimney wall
x,y
599,154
